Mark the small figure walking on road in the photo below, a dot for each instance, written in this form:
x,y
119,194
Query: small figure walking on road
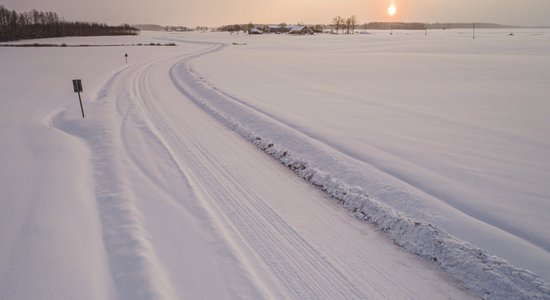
x,y
126,57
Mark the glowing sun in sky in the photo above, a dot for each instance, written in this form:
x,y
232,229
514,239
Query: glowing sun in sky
x,y
392,10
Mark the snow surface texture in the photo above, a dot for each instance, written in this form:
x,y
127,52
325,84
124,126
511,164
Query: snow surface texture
x,y
488,275
460,124
149,197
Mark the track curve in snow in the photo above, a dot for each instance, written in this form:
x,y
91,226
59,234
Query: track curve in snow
x,y
225,220
321,165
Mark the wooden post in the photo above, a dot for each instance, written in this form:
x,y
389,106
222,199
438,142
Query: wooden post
x,y
81,107
77,87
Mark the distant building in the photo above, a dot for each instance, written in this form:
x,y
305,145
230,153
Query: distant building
x,y
275,29
301,30
292,29
178,29
255,31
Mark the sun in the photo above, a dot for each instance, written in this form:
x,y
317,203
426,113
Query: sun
x,y
392,10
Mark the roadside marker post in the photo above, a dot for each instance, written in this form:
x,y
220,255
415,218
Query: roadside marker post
x,y
126,57
77,86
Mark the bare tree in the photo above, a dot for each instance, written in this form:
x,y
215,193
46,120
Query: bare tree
x,y
347,25
350,24
337,22
353,23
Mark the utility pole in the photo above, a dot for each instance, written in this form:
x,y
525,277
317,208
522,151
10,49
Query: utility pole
x,y
474,31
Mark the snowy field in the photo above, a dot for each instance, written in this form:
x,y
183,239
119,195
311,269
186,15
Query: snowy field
x,y
461,125
439,141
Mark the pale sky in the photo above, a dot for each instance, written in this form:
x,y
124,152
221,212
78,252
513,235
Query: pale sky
x,y
220,12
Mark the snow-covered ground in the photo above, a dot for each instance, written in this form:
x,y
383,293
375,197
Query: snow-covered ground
x,y
149,197
461,126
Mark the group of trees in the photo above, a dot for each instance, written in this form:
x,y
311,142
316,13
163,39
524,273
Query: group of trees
x,y
236,27
347,25
38,24
282,26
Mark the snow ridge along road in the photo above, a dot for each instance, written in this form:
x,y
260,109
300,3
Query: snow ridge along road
x,y
190,210
133,263
130,186
489,276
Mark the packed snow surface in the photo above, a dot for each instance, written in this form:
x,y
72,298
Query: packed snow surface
x,y
460,126
437,141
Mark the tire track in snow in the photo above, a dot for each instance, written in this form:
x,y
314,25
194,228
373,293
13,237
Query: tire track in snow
x,y
289,264
259,235
296,265
132,261
158,127
294,262
136,110
465,262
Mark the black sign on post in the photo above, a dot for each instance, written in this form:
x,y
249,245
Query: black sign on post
x,y
77,86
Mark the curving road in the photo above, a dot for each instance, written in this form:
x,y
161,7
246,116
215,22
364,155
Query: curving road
x,y
190,210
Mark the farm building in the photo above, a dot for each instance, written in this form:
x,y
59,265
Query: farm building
x,y
255,31
300,30
293,29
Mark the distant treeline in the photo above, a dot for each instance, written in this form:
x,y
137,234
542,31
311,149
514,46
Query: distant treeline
x,y
351,24
37,24
236,27
246,27
149,27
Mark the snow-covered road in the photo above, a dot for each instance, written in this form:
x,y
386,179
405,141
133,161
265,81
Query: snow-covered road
x,y
442,128
157,195
191,210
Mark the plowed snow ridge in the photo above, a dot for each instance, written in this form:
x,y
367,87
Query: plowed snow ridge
x,y
489,276
181,217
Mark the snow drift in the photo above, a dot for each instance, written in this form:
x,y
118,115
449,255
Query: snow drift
x,y
489,276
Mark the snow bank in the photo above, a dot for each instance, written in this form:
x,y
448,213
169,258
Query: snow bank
x,y
54,228
487,275
51,244
460,124
133,263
